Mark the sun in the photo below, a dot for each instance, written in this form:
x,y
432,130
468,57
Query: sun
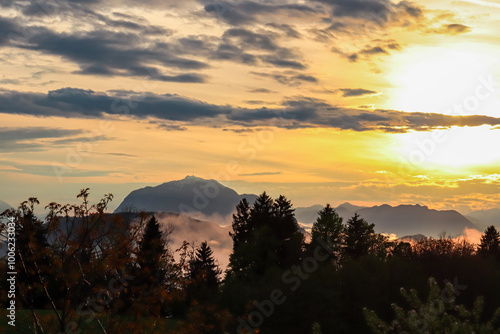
x,y
438,79
456,81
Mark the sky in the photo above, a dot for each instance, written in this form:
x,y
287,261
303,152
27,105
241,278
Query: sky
x,y
366,101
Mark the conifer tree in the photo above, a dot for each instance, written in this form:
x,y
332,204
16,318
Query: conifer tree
x,y
359,237
328,230
490,243
203,268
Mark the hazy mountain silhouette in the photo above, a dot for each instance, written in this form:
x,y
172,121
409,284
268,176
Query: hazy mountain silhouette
x,y
192,194
307,215
401,220
4,206
485,218
415,219
209,197
347,210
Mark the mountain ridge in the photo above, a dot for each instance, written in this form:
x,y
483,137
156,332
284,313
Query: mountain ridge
x,y
191,194
209,197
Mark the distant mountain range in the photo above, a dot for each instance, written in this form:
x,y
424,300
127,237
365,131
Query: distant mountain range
x,y
194,194
485,218
4,206
191,194
400,220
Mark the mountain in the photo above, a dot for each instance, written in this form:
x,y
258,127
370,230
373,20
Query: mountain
x,y
347,210
307,215
485,218
191,194
4,206
415,219
400,220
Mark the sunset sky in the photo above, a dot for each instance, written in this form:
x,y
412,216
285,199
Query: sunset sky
x,y
366,101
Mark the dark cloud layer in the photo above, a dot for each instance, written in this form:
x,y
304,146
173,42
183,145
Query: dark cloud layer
x,y
28,139
240,13
298,112
350,92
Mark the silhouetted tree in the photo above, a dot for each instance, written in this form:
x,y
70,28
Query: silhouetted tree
x,y
148,293
241,226
204,273
328,230
286,231
490,243
264,235
151,252
359,237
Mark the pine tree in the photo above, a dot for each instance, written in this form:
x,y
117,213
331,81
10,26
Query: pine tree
x,y
286,232
241,228
261,212
490,243
328,230
264,236
147,291
151,252
359,237
203,268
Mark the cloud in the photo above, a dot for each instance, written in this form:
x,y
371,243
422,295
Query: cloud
x,y
297,112
289,78
31,139
381,12
451,29
376,48
237,44
109,53
262,90
287,29
261,174
73,102
130,51
241,13
349,92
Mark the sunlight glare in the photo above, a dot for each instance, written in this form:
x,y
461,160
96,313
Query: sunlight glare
x,y
450,150
430,79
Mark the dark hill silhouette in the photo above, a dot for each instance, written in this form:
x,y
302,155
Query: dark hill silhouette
x,y
192,194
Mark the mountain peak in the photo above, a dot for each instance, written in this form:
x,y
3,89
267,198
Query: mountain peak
x,y
350,207
191,194
4,206
193,178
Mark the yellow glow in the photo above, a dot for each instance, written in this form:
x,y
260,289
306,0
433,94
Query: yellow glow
x,y
436,79
453,150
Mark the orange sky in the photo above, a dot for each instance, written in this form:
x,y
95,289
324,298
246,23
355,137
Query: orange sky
x,y
323,101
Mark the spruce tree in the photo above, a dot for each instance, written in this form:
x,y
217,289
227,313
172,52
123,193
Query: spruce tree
x,y
328,230
490,243
359,237
241,228
203,270
151,253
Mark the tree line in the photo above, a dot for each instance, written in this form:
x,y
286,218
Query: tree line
x,y
83,270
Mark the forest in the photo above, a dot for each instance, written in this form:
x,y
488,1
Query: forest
x,y
83,270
